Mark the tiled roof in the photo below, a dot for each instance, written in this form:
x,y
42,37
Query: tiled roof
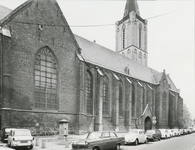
x,y
4,11
172,85
106,58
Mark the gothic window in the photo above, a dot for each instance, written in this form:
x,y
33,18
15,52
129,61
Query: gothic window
x,y
164,105
46,81
140,35
120,100
88,93
133,101
123,36
123,53
105,97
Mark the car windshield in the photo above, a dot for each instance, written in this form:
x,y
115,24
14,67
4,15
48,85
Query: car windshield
x,y
93,135
133,132
150,131
22,133
7,130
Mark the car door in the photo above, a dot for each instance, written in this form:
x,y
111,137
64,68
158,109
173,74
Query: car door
x,y
107,142
141,137
114,140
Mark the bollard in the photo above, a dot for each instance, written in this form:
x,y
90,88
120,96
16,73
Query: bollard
x,y
66,141
37,142
43,144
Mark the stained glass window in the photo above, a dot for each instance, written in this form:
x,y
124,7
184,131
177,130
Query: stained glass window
x,y
105,97
46,80
88,93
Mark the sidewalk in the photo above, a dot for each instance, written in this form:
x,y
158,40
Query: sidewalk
x,y
52,142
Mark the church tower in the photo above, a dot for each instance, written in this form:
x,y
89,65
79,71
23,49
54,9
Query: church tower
x,y
131,34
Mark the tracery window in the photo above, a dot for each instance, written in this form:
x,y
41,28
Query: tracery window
x,y
105,97
88,93
133,101
123,36
46,81
140,35
120,100
164,105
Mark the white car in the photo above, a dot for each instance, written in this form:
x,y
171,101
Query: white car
x,y
20,138
136,136
164,133
171,133
176,132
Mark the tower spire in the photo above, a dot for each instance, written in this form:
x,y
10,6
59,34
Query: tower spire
x,y
131,5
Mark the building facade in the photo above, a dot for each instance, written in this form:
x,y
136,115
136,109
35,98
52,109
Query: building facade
x,y
47,73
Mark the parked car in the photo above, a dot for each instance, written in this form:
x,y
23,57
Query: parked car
x,y
170,132
136,136
185,131
181,132
164,133
153,134
176,132
99,141
20,138
5,133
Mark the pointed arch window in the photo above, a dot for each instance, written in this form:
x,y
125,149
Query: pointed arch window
x,y
46,81
89,93
133,101
120,100
123,30
164,105
106,107
140,35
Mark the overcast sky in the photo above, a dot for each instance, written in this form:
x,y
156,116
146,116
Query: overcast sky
x,y
170,33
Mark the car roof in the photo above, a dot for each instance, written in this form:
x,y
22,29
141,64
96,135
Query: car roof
x,y
21,129
9,129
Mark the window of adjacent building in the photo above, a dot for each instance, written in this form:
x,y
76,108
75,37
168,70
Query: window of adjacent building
x,y
46,80
105,97
88,93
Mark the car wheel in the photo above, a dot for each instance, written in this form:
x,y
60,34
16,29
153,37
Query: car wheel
x,y
117,147
136,142
31,147
96,148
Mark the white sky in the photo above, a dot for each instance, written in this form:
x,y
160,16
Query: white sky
x,y
170,36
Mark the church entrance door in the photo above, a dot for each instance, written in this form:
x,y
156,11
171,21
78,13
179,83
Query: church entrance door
x,y
148,123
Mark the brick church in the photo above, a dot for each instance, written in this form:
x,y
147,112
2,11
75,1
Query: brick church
x,y
47,73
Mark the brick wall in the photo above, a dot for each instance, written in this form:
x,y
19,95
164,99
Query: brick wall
x,y
33,26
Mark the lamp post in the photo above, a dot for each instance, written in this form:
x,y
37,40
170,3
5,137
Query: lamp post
x,y
154,121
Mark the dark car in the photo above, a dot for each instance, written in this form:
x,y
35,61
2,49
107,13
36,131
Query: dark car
x,y
5,133
153,134
99,141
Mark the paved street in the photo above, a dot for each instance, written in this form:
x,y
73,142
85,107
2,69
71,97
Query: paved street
x,y
186,142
